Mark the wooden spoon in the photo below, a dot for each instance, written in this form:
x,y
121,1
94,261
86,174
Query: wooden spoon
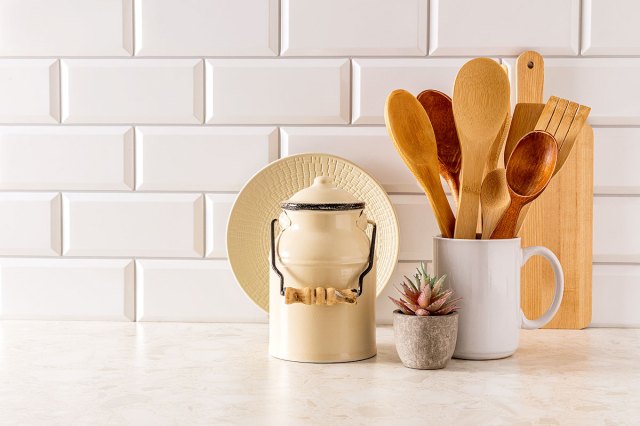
x,y
525,117
480,105
495,199
440,111
412,134
529,170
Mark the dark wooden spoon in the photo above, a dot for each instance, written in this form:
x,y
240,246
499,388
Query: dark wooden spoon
x,y
440,111
529,170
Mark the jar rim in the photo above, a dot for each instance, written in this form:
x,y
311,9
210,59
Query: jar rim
x,y
322,206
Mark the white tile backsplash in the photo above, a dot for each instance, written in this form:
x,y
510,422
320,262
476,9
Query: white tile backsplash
x,y
616,229
201,158
192,291
66,28
127,128
67,158
609,86
29,224
133,225
504,27
145,91
72,289
206,28
278,91
616,151
369,147
610,29
354,27
29,91
374,79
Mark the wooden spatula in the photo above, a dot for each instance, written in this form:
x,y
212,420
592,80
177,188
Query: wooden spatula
x,y
412,134
480,105
495,200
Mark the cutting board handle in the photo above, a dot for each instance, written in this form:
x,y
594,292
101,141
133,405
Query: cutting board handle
x,y
530,76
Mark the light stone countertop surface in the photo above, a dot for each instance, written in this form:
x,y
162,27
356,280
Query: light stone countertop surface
x,y
94,373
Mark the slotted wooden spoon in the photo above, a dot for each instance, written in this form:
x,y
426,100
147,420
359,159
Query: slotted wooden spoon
x,y
528,173
440,111
412,134
480,105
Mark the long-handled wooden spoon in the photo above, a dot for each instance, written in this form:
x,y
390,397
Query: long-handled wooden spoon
x,y
440,111
495,199
480,105
498,145
529,170
412,134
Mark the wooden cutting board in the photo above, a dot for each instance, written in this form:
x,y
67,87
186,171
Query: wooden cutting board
x,y
561,219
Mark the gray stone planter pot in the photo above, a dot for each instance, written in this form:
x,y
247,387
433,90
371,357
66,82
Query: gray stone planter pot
x,y
425,343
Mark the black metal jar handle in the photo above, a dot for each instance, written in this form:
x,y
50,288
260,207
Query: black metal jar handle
x,y
360,278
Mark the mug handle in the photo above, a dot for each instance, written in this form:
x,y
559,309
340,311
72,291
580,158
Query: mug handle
x,y
558,277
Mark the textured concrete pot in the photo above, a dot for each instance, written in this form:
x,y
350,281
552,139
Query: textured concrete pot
x,y
425,343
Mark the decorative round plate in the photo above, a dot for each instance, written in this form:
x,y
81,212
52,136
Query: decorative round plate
x,y
248,232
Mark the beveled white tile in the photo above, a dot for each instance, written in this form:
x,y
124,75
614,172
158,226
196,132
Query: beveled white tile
x,y
202,158
133,225
616,153
193,291
616,229
145,91
610,28
29,91
418,226
59,158
368,147
67,289
66,28
354,27
616,292
504,27
207,28
374,79
29,224
277,91
609,86
217,210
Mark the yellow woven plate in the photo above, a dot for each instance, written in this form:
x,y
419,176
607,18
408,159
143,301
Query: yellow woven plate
x,y
259,202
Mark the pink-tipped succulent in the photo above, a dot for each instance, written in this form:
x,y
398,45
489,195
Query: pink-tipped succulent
x,y
427,296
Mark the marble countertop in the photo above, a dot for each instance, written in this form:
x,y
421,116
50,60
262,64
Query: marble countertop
x,y
160,373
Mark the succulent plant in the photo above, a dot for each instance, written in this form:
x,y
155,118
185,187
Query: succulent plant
x,y
425,295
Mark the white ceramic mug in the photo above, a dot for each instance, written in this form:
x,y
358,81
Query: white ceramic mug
x,y
486,274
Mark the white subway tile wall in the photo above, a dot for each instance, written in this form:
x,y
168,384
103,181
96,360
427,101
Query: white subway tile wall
x,y
127,128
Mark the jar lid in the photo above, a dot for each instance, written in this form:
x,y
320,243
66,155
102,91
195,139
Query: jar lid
x,y
323,194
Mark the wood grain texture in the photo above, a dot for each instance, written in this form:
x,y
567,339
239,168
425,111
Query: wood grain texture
x,y
412,134
525,117
494,199
480,105
528,172
561,219
439,109
530,77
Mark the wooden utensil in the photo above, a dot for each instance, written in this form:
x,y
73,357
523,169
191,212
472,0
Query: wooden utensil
x,y
562,119
494,199
439,109
496,149
480,105
412,134
525,117
528,172
561,219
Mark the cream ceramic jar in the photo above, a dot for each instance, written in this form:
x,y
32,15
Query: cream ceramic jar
x,y
323,260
